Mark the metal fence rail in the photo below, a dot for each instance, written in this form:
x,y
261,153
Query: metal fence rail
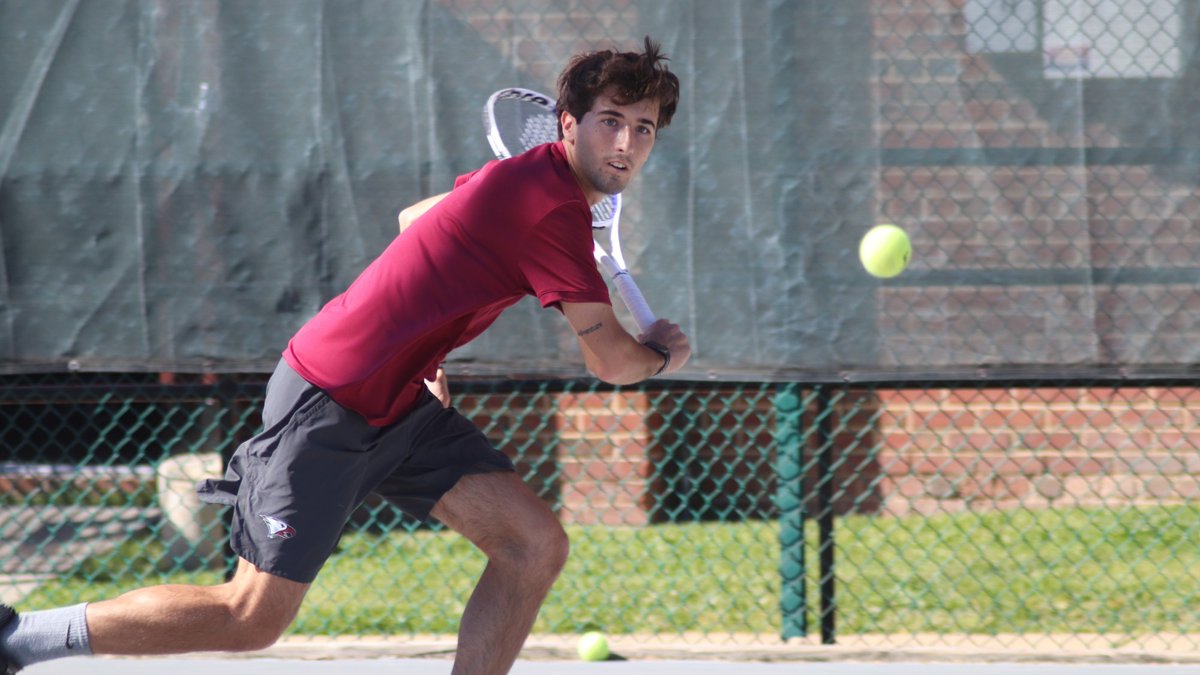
x,y
699,511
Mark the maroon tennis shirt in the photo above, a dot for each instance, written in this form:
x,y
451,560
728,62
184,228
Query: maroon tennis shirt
x,y
512,228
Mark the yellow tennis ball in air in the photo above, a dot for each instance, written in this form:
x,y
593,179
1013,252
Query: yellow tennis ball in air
x,y
593,646
885,250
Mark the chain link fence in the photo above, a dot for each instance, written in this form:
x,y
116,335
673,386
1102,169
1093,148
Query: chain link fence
x,y
714,513
1043,157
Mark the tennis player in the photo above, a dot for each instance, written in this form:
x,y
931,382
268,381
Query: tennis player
x,y
358,403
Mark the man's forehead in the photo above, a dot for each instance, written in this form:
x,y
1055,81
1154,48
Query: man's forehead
x,y
647,107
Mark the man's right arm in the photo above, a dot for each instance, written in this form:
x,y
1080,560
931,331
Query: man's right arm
x,y
410,214
615,356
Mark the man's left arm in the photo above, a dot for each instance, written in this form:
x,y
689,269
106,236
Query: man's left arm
x,y
615,356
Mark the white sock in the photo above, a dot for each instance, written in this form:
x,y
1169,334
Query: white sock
x,y
34,637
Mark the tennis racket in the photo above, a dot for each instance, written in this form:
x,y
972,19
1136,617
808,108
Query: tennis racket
x,y
516,120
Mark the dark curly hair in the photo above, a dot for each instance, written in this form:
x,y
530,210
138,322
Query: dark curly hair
x,y
635,76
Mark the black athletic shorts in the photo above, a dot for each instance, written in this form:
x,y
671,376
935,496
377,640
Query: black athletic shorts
x,y
295,484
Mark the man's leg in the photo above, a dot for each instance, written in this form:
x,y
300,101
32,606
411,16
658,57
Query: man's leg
x,y
249,612
526,549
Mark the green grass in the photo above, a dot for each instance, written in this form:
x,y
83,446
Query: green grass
x,y
1072,571
1079,570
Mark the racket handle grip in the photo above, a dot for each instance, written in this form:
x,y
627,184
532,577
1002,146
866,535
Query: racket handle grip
x,y
630,294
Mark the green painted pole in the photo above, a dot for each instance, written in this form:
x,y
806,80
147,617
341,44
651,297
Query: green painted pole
x,y
789,443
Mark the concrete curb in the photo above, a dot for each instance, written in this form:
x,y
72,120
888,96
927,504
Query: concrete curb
x,y
556,648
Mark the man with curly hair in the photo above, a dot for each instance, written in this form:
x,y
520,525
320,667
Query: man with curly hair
x,y
359,404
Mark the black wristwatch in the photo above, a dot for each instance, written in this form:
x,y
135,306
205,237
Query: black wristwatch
x,y
661,351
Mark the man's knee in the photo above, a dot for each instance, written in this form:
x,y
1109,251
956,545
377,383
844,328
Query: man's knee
x,y
260,607
255,628
540,550
507,521
553,546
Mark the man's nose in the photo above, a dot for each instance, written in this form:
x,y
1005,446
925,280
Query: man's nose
x,y
623,136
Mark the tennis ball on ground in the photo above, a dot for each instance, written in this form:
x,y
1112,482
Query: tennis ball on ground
x,y
885,250
593,646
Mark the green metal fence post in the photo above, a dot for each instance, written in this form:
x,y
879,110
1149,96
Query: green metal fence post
x,y
825,549
790,496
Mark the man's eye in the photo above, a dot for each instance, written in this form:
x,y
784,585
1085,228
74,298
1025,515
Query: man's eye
x,y
610,122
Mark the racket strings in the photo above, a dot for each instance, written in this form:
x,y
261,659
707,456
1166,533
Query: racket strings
x,y
605,209
603,212
538,130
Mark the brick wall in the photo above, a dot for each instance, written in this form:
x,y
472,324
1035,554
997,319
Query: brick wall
x,y
638,457
537,36
933,94
608,462
708,451
950,450
927,450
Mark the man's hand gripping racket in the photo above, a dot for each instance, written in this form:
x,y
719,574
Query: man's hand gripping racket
x,y
516,120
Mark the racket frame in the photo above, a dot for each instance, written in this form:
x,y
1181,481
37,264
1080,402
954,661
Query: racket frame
x,y
605,214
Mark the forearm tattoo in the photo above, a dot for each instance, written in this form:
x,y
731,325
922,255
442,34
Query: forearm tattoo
x,y
590,329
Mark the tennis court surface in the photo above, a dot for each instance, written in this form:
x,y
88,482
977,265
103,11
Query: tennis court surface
x,y
394,666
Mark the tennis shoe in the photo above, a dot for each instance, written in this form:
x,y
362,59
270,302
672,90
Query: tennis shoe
x,y
7,666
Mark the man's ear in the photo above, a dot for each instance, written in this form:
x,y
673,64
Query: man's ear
x,y
567,120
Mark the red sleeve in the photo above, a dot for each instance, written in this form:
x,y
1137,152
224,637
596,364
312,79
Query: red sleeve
x,y
558,261
466,177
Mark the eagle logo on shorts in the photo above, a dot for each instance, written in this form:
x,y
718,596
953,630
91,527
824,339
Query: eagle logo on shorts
x,y
277,529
